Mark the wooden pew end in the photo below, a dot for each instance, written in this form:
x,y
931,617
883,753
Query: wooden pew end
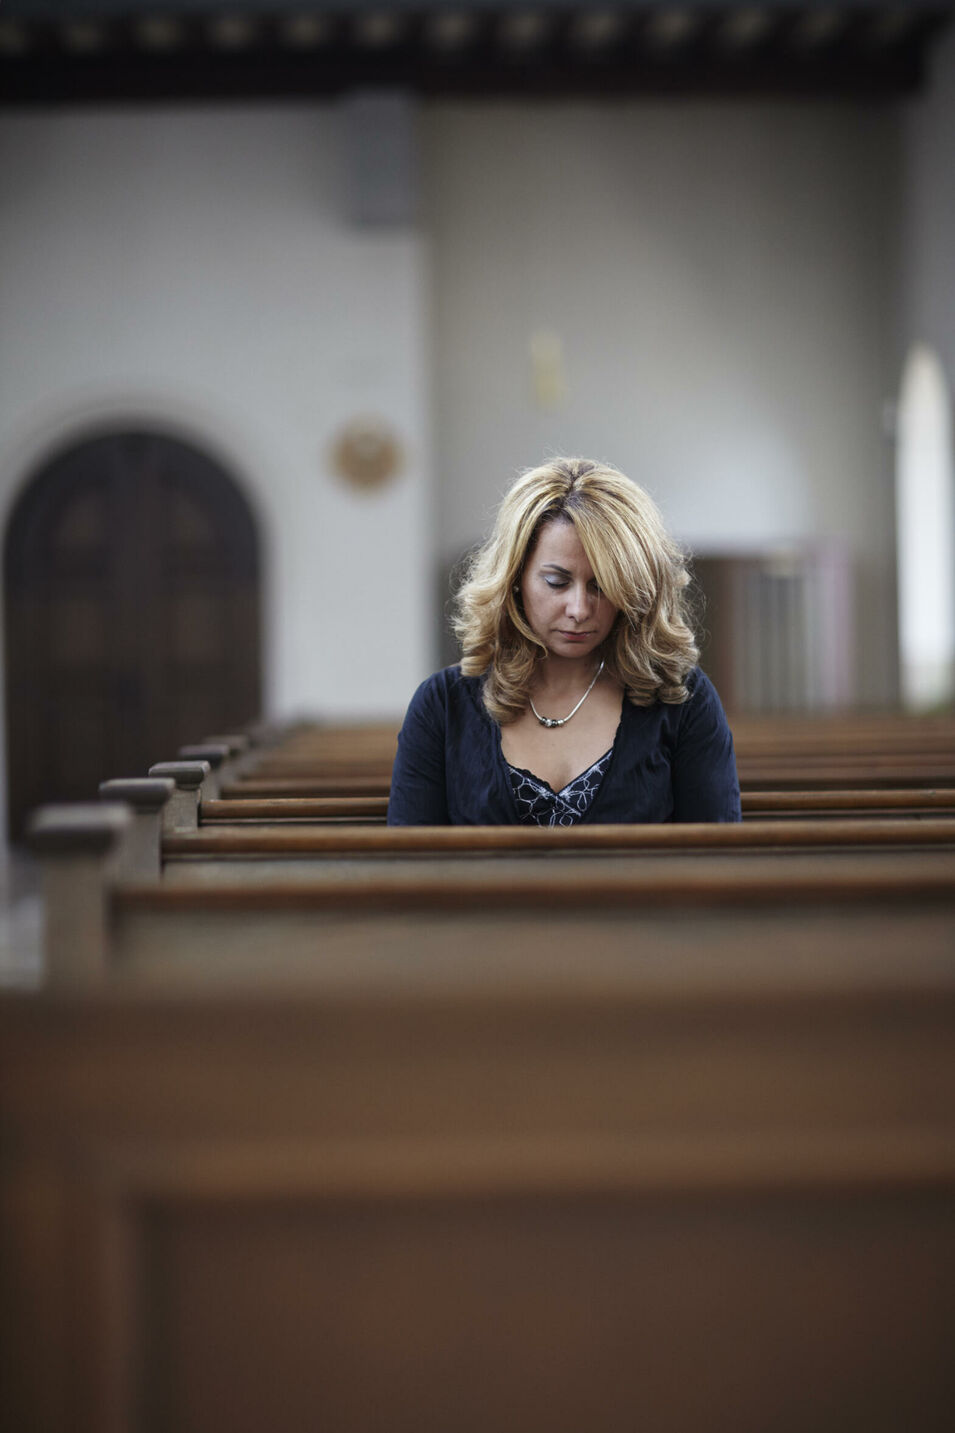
x,y
147,796
81,851
241,755
181,811
218,755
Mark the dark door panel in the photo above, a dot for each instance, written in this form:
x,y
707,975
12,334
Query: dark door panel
x,y
131,574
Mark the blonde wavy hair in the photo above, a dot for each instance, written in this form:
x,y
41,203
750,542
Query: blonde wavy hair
x,y
640,570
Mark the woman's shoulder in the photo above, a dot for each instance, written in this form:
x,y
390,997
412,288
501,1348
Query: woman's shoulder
x,y
700,692
449,679
701,689
701,704
702,711
447,688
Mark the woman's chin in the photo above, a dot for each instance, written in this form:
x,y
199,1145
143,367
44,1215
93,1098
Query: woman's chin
x,y
565,646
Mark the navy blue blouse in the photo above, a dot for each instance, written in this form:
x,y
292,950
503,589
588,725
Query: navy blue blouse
x,y
669,762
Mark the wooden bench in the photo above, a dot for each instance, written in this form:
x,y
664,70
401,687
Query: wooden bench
x,y
849,736
785,774
484,1142
257,849
835,773
197,801
449,1136
474,888
889,751
845,732
763,805
339,839
704,1188
207,851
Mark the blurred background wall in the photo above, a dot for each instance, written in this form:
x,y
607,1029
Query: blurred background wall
x,y
720,284
717,295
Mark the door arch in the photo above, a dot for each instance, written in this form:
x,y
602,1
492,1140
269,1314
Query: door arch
x,y
132,622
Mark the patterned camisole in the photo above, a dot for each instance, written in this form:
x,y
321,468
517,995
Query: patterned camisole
x,y
536,802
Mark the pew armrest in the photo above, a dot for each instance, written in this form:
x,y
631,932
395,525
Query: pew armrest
x,y
218,755
192,778
147,796
81,850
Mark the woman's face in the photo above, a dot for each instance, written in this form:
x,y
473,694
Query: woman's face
x,y
562,602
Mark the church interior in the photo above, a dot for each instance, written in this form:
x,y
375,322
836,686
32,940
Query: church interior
x,y
309,1122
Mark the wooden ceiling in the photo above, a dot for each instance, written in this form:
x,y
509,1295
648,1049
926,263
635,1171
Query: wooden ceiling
x,y
55,52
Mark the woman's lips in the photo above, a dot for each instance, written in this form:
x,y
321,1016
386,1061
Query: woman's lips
x,y
575,636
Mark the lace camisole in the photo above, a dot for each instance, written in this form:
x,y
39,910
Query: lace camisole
x,y
537,803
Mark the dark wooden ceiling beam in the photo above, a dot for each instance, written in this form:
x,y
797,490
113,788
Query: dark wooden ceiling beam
x,y
198,49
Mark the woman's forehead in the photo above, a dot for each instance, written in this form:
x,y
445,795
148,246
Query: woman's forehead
x,y
558,541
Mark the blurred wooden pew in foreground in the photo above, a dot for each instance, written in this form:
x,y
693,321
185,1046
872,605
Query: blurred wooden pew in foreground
x,y
701,1192
437,1134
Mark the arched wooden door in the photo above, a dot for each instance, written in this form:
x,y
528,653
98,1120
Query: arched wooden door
x,y
131,580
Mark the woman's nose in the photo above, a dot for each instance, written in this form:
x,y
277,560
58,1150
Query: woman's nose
x,y
578,601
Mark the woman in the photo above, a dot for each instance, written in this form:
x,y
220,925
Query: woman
x,y
577,697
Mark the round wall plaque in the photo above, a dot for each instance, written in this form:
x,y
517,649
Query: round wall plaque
x,y
367,453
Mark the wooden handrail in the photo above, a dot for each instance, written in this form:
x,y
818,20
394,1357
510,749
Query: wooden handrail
x,y
315,788
923,799
355,808
795,778
759,835
572,884
754,803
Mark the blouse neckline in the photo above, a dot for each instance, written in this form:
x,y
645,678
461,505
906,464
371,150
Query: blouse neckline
x,y
536,801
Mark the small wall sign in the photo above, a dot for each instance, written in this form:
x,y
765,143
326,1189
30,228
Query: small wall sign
x,y
367,453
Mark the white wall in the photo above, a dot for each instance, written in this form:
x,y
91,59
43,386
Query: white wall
x,y
197,268
723,278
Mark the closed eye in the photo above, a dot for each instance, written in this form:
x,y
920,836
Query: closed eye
x,y
557,586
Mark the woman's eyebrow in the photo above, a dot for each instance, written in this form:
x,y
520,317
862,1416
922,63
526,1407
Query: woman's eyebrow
x,y
555,567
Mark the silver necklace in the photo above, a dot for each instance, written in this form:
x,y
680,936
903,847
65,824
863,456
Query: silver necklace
x,y
562,721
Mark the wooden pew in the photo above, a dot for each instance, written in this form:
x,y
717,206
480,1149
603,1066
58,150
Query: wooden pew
x,y
280,853
701,1181
863,750
772,774
218,848
854,731
811,804
208,851
834,773
333,787
765,779
333,828
464,891
668,1136
330,837
604,1127
848,737
763,805
198,801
